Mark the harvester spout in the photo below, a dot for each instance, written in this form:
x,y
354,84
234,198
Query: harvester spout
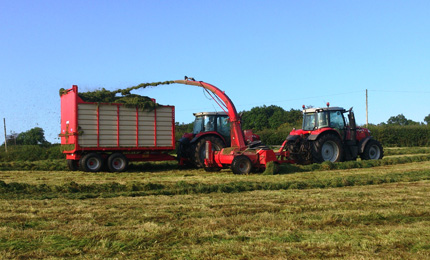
x,y
237,139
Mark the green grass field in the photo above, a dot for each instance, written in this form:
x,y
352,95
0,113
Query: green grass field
x,y
349,210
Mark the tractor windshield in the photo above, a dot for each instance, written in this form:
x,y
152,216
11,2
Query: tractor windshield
x,y
312,121
198,125
204,124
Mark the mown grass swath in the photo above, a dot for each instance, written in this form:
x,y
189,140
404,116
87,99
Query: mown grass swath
x,y
353,210
58,164
114,189
380,221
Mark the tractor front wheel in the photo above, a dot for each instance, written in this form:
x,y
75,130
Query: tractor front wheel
x,y
372,151
327,148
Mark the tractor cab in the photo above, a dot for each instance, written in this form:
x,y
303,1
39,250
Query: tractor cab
x,y
209,126
329,117
319,120
216,122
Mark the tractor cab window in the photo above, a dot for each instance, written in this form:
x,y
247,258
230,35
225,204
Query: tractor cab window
x,y
323,120
309,121
336,120
209,123
223,126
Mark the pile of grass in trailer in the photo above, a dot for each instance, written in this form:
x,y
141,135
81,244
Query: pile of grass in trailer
x,y
129,100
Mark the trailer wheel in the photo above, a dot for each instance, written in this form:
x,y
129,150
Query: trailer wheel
x,y
372,151
117,162
200,149
327,148
91,162
241,165
73,165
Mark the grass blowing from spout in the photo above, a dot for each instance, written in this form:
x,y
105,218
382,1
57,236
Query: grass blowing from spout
x,y
129,100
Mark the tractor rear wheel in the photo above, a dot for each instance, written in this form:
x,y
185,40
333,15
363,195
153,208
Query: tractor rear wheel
x,y
91,162
372,151
199,153
328,148
241,165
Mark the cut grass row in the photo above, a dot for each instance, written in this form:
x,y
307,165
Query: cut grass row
x,y
175,186
60,165
386,221
373,210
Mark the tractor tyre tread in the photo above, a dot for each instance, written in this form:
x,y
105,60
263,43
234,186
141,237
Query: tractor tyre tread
x,y
317,154
366,155
241,165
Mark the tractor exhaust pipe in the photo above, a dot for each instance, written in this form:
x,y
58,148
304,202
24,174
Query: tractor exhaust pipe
x,y
353,126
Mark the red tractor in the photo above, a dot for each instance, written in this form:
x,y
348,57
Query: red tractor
x,y
208,126
327,136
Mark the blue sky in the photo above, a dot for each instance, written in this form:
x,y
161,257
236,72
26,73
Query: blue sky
x,y
285,53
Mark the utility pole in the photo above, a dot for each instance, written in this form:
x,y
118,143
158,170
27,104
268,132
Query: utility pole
x,y
5,139
367,111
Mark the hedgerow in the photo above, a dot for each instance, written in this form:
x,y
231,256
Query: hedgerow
x,y
31,153
402,136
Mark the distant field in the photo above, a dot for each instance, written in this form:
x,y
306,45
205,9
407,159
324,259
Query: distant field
x,y
353,210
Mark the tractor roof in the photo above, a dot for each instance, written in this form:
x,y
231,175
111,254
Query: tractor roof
x,y
318,109
210,114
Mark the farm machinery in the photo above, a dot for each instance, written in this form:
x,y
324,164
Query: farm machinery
x,y
208,126
245,153
327,136
107,135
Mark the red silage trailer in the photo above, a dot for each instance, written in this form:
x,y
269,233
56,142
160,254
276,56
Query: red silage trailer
x,y
109,135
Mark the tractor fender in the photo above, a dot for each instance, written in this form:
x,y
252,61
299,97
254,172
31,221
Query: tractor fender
x,y
362,144
197,137
292,137
313,137
184,140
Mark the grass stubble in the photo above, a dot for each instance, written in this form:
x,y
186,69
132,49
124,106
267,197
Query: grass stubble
x,y
369,220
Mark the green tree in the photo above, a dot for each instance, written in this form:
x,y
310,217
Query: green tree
x,y
269,117
259,118
294,116
34,136
401,120
427,119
